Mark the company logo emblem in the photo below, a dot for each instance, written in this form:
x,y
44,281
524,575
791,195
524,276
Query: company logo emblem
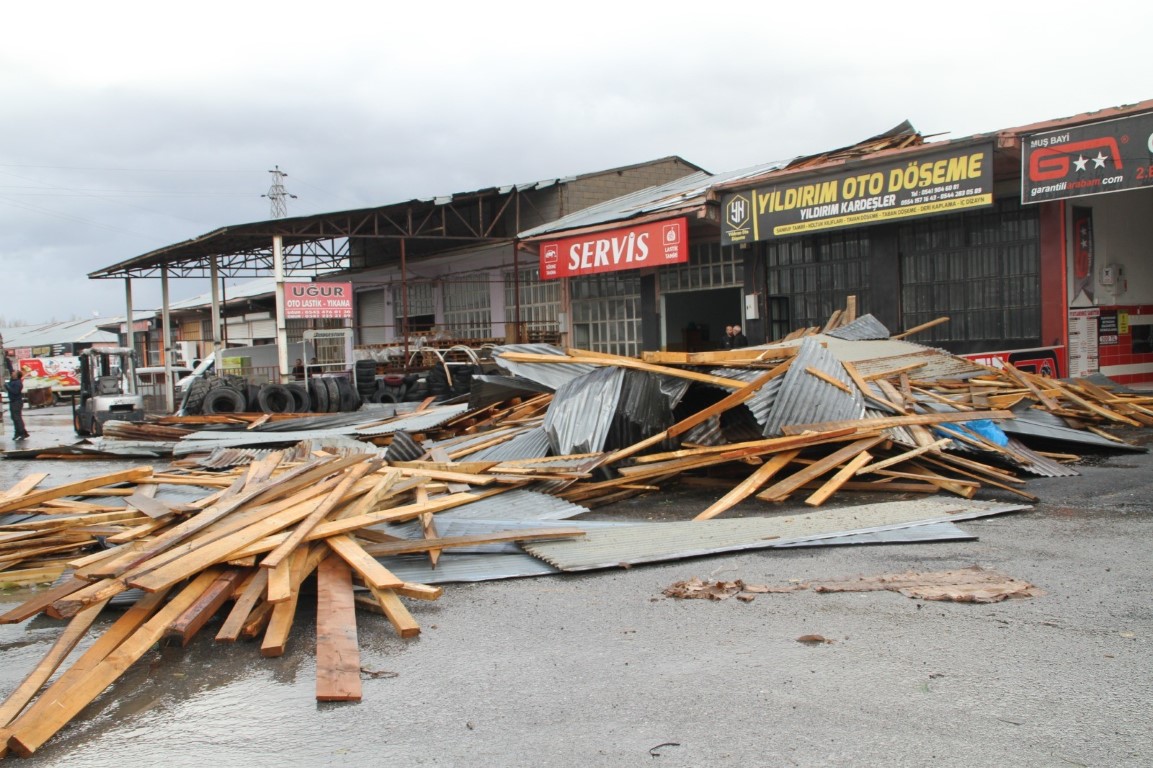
x,y
551,253
1055,162
737,212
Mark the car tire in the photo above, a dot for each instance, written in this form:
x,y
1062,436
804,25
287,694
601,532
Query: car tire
x,y
333,394
224,400
275,398
300,399
318,392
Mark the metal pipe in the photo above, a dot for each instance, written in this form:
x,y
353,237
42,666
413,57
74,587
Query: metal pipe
x,y
129,336
281,323
166,341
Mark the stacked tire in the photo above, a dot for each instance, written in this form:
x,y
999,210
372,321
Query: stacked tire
x,y
233,394
365,377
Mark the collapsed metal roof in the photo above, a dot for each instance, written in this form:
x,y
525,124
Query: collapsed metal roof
x,y
806,398
682,195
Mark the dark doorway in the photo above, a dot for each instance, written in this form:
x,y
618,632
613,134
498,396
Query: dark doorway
x,y
695,321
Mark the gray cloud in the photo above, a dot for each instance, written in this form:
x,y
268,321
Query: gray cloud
x,y
128,140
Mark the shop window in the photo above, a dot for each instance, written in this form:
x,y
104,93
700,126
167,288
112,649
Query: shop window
x,y
467,306
979,269
815,275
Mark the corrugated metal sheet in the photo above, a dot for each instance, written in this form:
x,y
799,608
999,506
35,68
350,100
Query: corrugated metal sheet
x,y
914,534
688,191
760,405
420,421
466,568
223,458
551,375
580,416
486,389
517,504
1039,465
530,444
403,448
199,442
1046,426
134,448
459,567
367,414
863,328
934,363
806,399
668,541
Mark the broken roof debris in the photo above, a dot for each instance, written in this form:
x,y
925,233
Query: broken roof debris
x,y
383,503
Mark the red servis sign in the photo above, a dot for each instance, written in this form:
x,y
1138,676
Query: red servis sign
x,y
645,245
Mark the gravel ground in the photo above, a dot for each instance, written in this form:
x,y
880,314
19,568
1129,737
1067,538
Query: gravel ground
x,y
600,669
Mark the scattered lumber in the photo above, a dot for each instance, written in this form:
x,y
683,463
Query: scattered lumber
x,y
270,523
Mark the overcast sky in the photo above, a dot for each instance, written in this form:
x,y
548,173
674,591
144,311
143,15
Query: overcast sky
x,y
128,126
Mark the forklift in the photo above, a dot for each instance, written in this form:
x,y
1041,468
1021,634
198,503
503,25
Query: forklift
x,y
107,390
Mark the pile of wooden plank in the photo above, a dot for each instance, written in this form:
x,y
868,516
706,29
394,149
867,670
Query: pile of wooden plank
x,y
270,520
250,545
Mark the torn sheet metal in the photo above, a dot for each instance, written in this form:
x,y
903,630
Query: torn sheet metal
x,y
1035,424
581,415
806,399
551,375
529,444
669,541
487,389
864,328
419,421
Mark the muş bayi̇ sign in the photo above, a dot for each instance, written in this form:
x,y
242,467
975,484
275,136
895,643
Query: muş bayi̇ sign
x,y
1109,156
317,301
926,184
645,245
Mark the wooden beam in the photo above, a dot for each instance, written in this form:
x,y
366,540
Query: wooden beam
x,y
39,675
625,362
834,483
305,526
396,612
885,422
254,590
366,566
283,613
68,489
781,490
409,546
886,463
337,652
921,327
749,485
187,624
56,708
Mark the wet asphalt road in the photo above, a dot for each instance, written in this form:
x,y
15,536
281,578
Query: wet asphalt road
x,y
599,669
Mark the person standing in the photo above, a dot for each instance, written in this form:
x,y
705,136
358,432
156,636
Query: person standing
x,y
15,387
739,339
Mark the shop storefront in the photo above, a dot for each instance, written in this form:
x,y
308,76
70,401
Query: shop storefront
x,y
1096,178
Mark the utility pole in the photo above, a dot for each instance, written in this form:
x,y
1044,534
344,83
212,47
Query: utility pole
x,y
277,195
